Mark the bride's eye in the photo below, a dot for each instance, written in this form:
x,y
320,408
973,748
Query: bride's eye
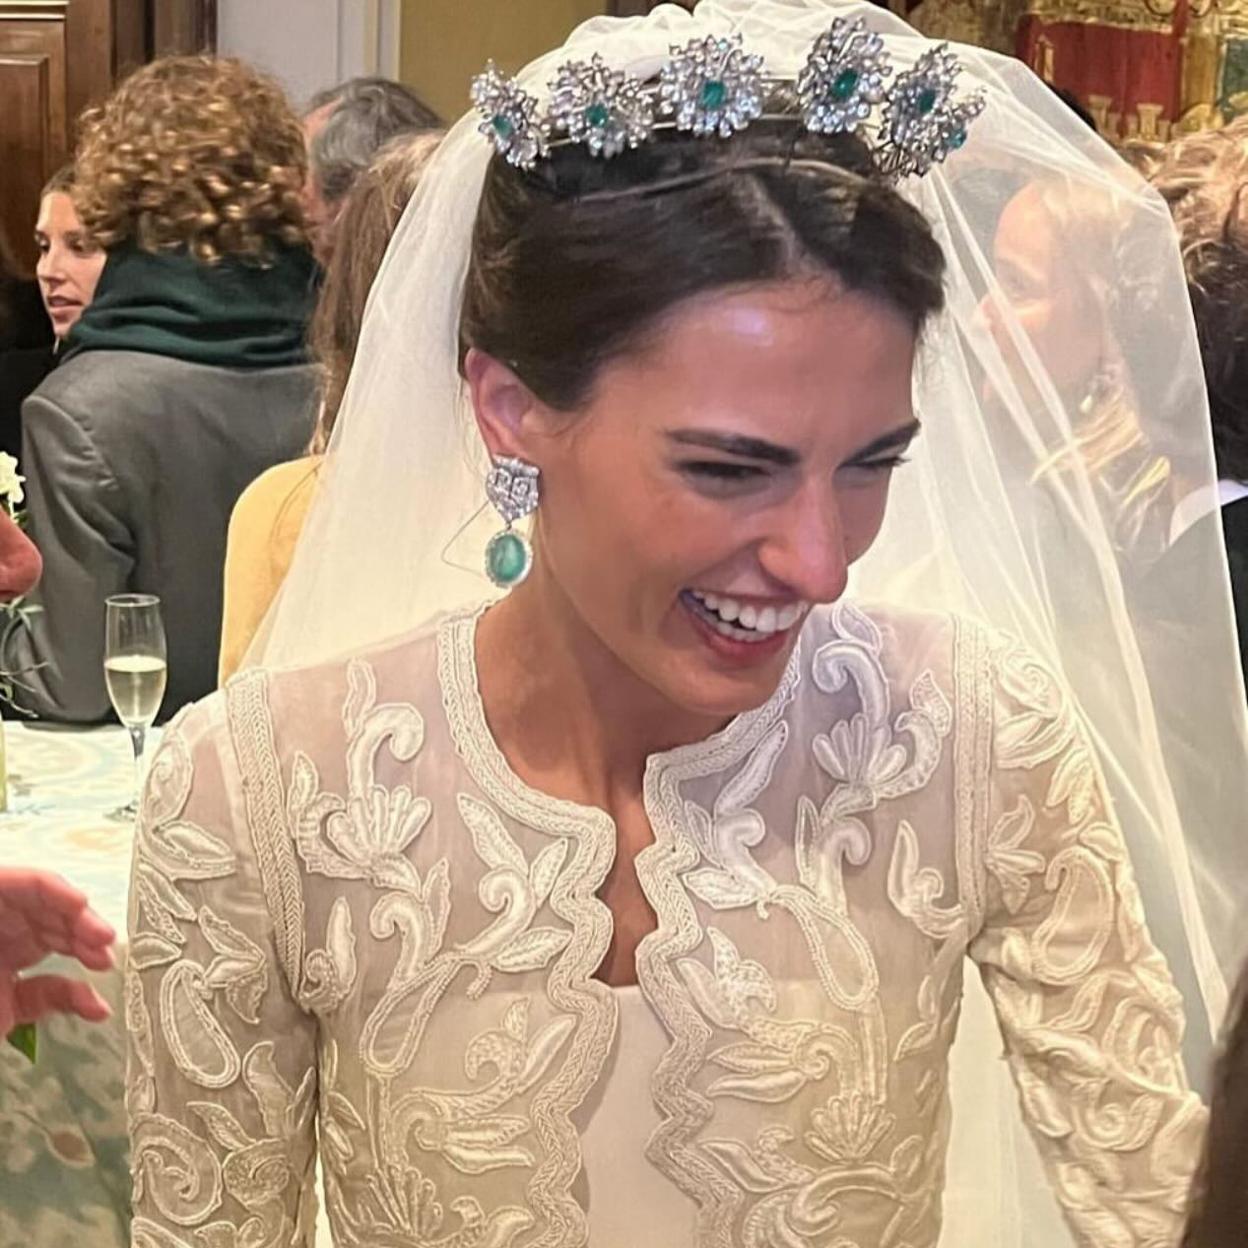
x,y
888,464
717,470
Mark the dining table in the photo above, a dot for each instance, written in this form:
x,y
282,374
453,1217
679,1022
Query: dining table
x,y
64,1175
64,1156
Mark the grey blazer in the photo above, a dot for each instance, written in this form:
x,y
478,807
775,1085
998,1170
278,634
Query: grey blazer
x,y
133,463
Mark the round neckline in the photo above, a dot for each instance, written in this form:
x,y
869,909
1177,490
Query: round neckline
x,y
484,756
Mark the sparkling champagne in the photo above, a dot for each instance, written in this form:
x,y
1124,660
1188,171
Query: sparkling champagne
x,y
136,684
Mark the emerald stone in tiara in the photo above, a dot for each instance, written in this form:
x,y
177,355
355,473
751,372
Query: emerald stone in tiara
x,y
510,119
844,79
713,88
923,122
603,108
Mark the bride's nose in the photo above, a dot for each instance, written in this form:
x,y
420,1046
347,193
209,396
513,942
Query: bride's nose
x,y
805,550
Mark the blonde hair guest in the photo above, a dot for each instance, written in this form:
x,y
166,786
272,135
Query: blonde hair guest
x,y
269,516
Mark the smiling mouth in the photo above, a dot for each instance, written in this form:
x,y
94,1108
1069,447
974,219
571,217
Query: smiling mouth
x,y
743,622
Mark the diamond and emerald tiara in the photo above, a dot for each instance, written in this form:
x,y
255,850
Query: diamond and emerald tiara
x,y
714,87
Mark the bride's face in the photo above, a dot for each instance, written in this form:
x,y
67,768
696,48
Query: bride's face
x,y
721,480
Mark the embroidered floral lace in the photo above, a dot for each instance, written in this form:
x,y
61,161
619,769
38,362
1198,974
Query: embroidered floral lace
x,y
350,922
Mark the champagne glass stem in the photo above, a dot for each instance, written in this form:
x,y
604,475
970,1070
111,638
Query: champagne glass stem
x,y
138,737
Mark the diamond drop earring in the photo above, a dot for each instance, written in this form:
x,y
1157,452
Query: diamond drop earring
x,y
514,488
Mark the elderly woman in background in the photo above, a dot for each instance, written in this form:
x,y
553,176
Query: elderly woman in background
x,y
346,126
269,516
184,380
1116,422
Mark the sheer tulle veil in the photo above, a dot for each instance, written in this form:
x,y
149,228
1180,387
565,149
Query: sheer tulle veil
x,y
1058,509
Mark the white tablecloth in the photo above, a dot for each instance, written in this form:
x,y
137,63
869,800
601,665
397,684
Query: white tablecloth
x,y
64,1173
64,1181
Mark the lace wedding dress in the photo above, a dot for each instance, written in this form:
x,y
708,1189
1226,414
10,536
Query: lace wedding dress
x,y
355,929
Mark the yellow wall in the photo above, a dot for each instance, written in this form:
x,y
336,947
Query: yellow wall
x,y
446,42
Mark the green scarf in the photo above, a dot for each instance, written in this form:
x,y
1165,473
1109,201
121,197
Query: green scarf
x,y
230,314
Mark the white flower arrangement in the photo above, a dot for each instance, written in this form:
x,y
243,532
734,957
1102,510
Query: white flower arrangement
x,y
18,613
11,482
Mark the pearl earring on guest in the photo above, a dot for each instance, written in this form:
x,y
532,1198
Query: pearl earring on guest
x,y
513,486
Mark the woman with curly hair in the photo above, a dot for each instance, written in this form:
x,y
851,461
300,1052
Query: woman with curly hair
x,y
185,379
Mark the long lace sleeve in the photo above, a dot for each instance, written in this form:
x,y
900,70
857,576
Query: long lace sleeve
x,y
221,1085
1091,1019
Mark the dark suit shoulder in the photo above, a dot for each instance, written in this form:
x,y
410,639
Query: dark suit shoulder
x,y
1235,524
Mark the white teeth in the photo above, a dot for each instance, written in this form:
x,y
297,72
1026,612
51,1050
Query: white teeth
x,y
786,617
746,623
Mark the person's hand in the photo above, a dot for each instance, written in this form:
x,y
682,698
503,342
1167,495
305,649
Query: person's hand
x,y
40,913
20,562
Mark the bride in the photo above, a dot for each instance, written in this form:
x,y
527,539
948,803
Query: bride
x,y
634,904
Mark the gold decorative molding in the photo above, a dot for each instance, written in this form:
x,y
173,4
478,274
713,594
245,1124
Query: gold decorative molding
x,y
1210,27
1146,125
1200,117
1231,18
957,20
1043,62
983,23
1157,17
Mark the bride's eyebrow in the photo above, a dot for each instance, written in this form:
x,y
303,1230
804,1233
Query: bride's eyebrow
x,y
736,444
897,439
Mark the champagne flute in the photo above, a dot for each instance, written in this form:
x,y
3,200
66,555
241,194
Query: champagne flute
x,y
135,670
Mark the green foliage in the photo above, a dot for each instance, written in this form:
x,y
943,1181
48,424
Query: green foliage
x,y
24,1039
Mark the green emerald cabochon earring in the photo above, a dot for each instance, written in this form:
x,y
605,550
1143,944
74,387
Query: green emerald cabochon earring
x,y
513,487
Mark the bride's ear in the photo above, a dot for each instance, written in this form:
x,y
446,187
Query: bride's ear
x,y
507,411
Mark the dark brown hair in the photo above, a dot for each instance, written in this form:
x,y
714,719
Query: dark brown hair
x,y
373,208
1219,1206
573,263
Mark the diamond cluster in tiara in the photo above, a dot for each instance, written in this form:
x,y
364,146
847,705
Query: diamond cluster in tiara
x,y
714,87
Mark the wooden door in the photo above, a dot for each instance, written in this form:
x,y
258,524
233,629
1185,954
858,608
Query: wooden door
x,y
56,58
34,136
